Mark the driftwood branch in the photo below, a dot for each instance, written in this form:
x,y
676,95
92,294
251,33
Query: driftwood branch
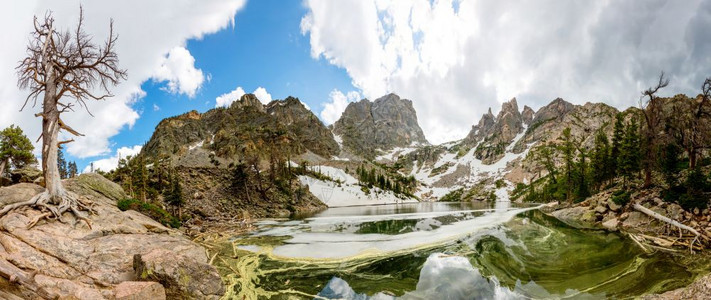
x,y
665,219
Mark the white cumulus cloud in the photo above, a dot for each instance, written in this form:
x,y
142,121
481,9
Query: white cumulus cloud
x,y
262,95
225,100
455,59
147,42
333,109
108,164
178,69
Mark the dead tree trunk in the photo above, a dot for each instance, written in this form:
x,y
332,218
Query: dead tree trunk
x,y
651,110
50,143
3,163
58,64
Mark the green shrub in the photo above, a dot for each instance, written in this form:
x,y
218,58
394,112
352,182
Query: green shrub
x,y
697,188
453,196
365,189
691,201
441,169
500,183
621,197
492,196
148,209
672,194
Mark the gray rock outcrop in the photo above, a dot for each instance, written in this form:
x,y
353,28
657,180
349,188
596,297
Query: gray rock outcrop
x,y
492,134
385,123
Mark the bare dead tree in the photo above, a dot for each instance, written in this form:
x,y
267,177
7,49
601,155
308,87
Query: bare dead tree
x,y
66,69
652,110
700,136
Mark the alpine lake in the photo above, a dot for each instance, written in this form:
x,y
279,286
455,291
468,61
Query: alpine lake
x,y
443,251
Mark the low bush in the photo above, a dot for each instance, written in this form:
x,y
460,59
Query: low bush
x,y
453,196
148,209
621,197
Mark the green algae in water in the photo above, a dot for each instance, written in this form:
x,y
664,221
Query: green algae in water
x,y
532,255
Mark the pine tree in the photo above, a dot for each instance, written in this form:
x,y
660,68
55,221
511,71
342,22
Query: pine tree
x,y
670,163
15,149
600,160
582,190
62,164
630,155
697,188
174,196
73,169
567,148
617,137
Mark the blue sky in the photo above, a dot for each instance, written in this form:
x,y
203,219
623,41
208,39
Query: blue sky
x,y
454,59
264,48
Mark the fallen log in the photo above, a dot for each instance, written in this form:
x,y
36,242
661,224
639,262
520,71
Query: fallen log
x,y
662,218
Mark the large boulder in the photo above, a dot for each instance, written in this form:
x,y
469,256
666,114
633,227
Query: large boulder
x,y
578,216
5,181
182,278
74,261
18,193
27,175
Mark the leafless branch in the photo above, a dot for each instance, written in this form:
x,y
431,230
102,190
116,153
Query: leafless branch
x,y
77,67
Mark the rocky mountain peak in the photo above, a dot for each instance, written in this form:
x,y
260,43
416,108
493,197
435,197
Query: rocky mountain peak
x,y
527,115
385,123
554,110
481,129
508,108
492,134
193,114
194,139
248,100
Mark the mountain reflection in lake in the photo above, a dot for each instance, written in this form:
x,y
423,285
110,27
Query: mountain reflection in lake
x,y
443,251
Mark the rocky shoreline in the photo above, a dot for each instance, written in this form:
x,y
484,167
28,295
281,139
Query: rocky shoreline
x,y
599,212
123,255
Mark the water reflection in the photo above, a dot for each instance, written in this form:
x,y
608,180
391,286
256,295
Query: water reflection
x,y
370,230
411,251
407,208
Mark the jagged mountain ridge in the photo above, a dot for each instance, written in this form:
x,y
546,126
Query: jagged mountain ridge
x,y
386,131
497,147
224,132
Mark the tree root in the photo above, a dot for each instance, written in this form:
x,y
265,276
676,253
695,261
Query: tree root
x,y
54,207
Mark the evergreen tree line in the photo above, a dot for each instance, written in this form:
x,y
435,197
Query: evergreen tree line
x,y
668,141
66,169
373,178
263,169
148,181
